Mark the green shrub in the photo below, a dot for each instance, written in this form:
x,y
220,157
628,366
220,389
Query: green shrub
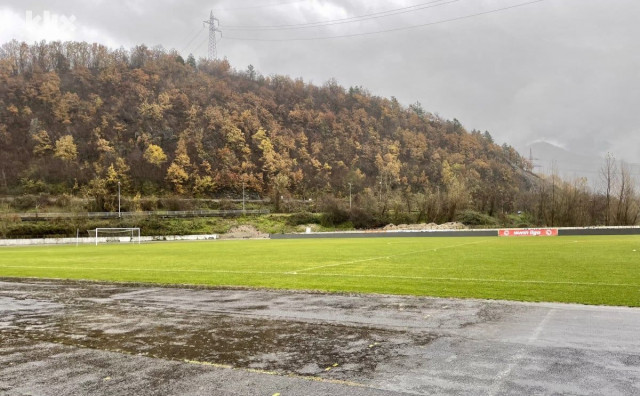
x,y
472,218
175,204
40,229
518,220
297,206
63,201
226,204
30,186
334,212
24,202
303,218
363,219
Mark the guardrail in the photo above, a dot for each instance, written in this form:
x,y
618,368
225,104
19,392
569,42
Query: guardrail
x,y
115,215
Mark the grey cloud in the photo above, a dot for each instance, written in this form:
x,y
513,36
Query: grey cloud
x,y
566,71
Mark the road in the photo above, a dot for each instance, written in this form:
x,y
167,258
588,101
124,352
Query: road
x,y
84,338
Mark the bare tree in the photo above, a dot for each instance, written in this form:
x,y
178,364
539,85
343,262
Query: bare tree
x,y
608,177
627,211
554,182
542,200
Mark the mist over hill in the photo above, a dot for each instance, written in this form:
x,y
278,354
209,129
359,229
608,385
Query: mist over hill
x,y
570,165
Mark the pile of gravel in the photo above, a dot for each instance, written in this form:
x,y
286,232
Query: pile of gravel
x,y
424,226
244,232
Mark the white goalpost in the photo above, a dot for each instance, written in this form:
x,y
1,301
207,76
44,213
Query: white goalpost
x,y
116,235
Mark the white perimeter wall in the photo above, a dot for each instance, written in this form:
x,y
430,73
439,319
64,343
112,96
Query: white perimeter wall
x,y
68,241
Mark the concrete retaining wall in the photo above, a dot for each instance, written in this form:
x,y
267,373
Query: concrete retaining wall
x,y
599,231
347,234
569,231
390,234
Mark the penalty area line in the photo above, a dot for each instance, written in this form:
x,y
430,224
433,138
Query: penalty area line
x,y
382,257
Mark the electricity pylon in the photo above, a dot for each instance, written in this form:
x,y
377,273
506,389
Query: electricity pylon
x,y
213,28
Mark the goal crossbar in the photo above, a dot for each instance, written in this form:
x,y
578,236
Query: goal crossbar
x,y
133,232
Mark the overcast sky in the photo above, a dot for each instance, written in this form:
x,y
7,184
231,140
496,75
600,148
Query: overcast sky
x,y
563,71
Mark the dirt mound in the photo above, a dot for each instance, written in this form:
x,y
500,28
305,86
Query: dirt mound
x,y
424,226
244,232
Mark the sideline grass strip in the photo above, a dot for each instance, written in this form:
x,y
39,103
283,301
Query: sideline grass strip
x,y
589,270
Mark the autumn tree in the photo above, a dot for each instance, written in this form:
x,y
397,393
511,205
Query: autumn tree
x,y
43,145
155,155
457,194
178,172
66,149
280,184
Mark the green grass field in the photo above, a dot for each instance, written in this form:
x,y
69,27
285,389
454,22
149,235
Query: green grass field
x,y
589,270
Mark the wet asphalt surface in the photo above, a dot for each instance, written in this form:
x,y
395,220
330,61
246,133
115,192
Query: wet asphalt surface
x,y
83,338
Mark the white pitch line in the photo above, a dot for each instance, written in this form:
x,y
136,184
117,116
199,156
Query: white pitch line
x,y
381,257
501,378
143,269
331,275
473,279
335,265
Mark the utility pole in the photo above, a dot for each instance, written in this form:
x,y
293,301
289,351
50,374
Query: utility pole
x,y
349,196
243,196
119,215
214,25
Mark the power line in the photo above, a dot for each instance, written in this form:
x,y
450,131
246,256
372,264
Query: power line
x,y
201,43
375,15
394,29
261,6
192,39
187,37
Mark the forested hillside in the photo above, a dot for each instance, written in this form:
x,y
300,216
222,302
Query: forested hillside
x,y
77,118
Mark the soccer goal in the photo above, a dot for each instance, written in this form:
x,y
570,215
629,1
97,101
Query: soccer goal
x,y
116,235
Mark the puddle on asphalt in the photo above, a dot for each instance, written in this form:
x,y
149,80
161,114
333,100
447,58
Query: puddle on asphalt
x,y
76,317
302,348
12,304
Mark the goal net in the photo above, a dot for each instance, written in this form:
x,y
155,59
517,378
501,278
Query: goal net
x,y
110,235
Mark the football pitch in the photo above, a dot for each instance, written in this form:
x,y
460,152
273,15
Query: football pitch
x,y
589,270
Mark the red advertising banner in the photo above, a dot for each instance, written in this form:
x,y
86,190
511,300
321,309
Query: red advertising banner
x,y
528,232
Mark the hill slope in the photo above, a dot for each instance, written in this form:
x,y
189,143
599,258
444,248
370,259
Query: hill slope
x,y
79,118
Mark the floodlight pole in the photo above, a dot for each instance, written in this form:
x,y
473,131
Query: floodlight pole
x,y
349,196
119,214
